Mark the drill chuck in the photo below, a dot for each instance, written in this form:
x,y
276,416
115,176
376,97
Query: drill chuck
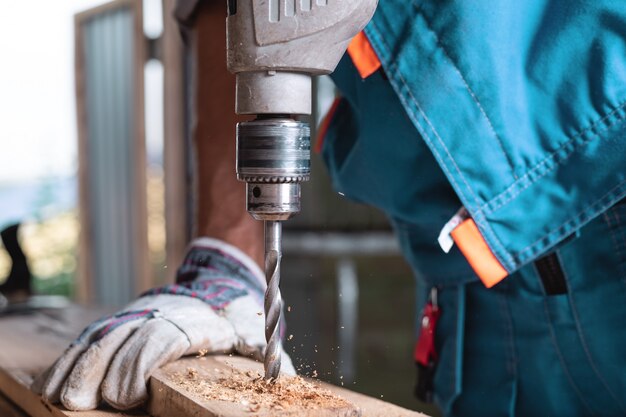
x,y
273,158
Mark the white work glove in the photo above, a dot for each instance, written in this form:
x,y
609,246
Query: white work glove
x,y
216,305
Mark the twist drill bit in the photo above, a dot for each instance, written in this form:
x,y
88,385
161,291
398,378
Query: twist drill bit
x,y
273,299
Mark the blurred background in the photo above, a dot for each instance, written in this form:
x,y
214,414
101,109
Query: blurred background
x,y
96,168
39,139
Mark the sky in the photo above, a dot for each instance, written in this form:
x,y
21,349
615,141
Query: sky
x,y
37,113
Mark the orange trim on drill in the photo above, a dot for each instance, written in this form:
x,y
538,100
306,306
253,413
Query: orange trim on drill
x,y
473,246
323,129
363,55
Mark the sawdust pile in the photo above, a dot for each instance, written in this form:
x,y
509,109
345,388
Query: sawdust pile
x,y
255,394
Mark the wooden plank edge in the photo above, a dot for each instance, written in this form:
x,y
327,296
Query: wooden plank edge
x,y
167,400
21,395
16,387
164,400
8,409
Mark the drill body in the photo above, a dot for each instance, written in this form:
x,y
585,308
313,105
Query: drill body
x,y
275,47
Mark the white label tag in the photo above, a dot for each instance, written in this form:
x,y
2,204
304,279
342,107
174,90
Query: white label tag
x,y
445,238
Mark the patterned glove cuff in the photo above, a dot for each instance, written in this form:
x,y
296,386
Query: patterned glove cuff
x,y
216,273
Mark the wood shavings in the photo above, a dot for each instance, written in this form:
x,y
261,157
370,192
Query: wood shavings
x,y
191,373
256,394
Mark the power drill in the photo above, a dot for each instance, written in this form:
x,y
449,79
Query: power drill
x,y
275,47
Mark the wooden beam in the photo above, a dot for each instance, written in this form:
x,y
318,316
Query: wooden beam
x,y
175,146
169,398
86,259
37,340
8,409
15,386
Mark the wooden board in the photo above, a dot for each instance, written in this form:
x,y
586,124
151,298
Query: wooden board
x,y
169,399
29,344
15,385
8,409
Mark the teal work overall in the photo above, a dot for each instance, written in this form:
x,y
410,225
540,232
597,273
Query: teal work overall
x,y
515,111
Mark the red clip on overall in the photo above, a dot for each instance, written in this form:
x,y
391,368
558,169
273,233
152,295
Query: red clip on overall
x,y
425,353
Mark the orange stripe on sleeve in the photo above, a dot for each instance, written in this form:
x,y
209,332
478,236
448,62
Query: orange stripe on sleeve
x,y
363,55
473,246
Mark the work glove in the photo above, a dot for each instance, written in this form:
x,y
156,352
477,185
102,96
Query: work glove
x,y
215,306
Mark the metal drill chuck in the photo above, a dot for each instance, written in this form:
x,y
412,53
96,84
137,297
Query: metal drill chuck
x,y
273,158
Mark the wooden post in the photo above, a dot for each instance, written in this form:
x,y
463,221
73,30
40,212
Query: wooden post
x,y
175,146
138,240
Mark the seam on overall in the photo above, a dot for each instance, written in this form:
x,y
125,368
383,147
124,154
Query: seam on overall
x,y
622,248
619,243
508,322
513,350
562,359
609,223
471,93
461,293
452,386
501,199
580,216
479,219
583,343
421,128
